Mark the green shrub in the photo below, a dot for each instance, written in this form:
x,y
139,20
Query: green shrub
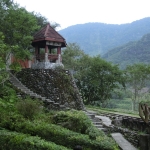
x,y
8,98
60,135
94,132
73,120
18,141
29,108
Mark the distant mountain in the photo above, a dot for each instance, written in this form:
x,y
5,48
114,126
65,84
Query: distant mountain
x,y
98,38
130,53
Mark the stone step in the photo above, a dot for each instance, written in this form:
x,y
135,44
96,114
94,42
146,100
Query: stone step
x,y
49,101
28,92
18,85
122,142
33,94
25,90
13,80
91,116
91,112
99,126
43,98
56,104
103,129
62,106
38,96
97,123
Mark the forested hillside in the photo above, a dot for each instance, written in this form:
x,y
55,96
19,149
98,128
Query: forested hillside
x,y
98,38
130,53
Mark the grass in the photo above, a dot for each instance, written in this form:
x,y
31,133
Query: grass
x,y
114,111
122,107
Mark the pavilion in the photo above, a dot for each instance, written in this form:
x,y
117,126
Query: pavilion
x,y
47,43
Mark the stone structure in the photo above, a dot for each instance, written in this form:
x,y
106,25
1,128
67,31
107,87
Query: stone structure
x,y
46,79
56,85
48,44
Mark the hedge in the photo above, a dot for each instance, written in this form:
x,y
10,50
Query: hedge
x,y
19,141
73,120
61,136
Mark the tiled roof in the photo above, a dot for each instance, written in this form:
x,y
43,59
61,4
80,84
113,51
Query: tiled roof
x,y
48,34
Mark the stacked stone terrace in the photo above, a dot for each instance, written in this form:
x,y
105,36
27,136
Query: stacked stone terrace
x,y
56,86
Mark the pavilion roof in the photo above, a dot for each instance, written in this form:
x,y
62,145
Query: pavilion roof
x,y
47,33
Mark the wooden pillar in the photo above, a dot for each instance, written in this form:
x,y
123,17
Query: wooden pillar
x,y
46,53
59,54
46,49
59,50
36,50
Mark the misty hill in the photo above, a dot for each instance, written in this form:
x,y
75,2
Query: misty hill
x,y
98,38
132,52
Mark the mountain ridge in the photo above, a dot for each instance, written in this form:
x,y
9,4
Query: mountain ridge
x,y
130,53
99,38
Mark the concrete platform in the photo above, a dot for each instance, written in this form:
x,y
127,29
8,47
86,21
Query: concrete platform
x,y
122,142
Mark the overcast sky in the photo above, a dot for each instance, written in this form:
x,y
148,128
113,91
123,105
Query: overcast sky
x,y
71,12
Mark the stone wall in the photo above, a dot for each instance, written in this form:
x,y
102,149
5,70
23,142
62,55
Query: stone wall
x,y
134,129
57,85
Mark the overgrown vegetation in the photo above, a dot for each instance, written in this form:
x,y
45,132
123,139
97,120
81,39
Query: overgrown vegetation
x,y
19,141
67,129
95,78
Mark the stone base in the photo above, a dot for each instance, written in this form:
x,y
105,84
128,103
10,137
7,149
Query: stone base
x,y
46,65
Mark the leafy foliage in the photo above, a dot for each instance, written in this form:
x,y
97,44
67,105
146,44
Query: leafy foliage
x,y
95,78
18,26
55,133
137,76
58,135
98,80
29,108
73,120
17,141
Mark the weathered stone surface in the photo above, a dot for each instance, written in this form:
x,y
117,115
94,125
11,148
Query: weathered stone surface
x,y
122,142
46,65
143,141
117,122
54,84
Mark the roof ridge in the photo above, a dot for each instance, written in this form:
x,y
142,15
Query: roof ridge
x,y
48,33
55,31
47,27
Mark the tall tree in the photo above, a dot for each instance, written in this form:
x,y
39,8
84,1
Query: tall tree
x,y
16,29
95,78
98,80
18,26
137,75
